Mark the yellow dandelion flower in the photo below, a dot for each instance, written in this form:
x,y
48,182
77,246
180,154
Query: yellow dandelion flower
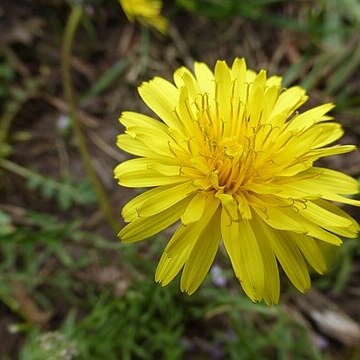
x,y
146,12
232,160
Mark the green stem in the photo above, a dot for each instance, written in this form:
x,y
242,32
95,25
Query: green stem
x,y
68,41
6,121
18,169
31,175
145,47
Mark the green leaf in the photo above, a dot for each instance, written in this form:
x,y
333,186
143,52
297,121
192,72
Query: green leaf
x,y
106,79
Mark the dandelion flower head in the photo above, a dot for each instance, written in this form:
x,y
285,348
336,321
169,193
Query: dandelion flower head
x,y
231,160
146,12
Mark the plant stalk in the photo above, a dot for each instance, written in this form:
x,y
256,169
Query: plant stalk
x,y
68,42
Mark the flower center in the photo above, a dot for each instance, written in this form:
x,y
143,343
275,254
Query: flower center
x,y
230,164
225,150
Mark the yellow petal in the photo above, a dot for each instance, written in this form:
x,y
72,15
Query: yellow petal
x,y
184,78
136,173
270,98
165,169
155,139
271,271
238,68
130,118
341,199
335,181
288,218
351,231
130,166
256,99
274,81
250,76
230,205
295,168
222,90
195,209
244,252
322,183
321,216
238,76
169,267
321,234
133,146
143,228
281,218
138,206
161,96
253,274
165,197
333,150
287,102
189,234
205,78
146,12
290,258
147,178
202,256
309,117
311,251
187,116
244,208
222,74
330,132
130,210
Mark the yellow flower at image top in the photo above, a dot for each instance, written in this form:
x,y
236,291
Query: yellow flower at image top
x,y
147,12
232,160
